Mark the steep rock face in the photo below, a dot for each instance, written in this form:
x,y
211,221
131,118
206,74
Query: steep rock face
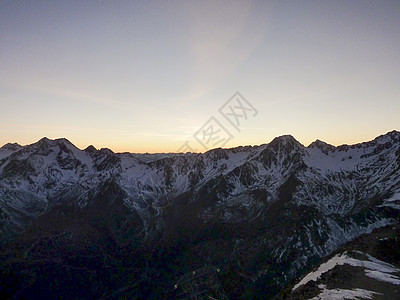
x,y
263,213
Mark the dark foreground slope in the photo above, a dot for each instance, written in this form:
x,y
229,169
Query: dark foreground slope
x,y
236,223
369,266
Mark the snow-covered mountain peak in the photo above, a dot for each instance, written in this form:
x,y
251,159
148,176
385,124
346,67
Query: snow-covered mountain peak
x,y
106,151
11,146
217,154
8,149
64,141
286,139
45,144
285,143
390,137
323,146
90,149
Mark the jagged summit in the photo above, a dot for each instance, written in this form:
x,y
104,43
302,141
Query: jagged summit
x,y
106,151
394,132
42,142
392,136
323,146
11,146
286,142
46,142
90,149
64,141
216,154
286,138
318,143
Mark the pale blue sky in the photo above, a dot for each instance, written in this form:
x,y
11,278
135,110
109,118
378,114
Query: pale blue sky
x,y
146,75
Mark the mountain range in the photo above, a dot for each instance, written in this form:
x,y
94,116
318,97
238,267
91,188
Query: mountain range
x,y
244,222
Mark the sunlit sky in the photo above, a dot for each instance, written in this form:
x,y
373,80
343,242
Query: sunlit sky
x,y
145,76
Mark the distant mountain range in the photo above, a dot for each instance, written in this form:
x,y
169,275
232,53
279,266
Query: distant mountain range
x,y
230,223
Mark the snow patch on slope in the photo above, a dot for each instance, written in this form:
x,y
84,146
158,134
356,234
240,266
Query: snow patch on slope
x,y
325,267
374,268
393,201
340,294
